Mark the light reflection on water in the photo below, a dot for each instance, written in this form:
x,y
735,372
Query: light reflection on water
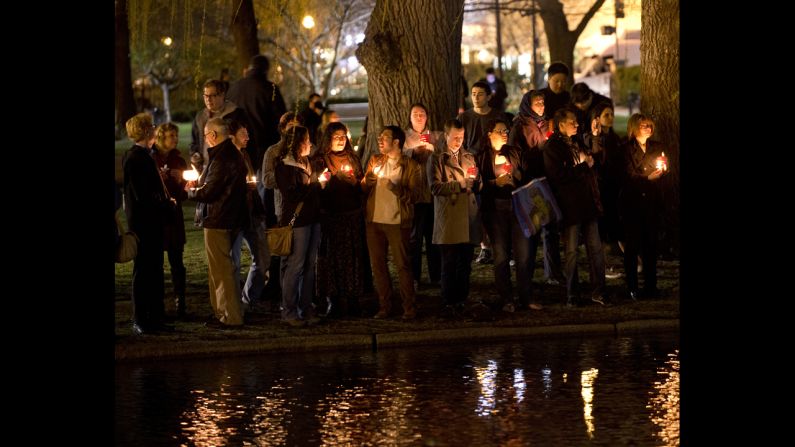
x,y
515,393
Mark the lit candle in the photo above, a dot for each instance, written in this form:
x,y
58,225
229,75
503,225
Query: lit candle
x,y
252,179
190,175
662,162
324,176
502,165
472,171
377,171
347,168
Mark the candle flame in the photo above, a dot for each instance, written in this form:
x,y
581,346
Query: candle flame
x,y
191,175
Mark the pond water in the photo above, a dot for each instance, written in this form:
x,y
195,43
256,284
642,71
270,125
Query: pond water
x,y
573,391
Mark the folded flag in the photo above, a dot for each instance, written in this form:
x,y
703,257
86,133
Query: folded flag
x,y
535,206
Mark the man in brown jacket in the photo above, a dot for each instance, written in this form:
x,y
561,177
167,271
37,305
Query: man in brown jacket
x,y
392,184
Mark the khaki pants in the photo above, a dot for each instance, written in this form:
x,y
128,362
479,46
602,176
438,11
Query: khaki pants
x,y
224,286
380,237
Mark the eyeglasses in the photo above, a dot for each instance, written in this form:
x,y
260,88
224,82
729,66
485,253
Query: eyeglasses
x,y
339,137
502,132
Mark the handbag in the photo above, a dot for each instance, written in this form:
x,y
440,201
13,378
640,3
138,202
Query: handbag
x,y
280,239
127,245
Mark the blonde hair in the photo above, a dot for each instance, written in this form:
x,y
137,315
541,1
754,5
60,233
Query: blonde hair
x,y
139,126
162,130
634,122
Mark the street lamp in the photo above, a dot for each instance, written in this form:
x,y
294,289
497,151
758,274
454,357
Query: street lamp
x,y
308,22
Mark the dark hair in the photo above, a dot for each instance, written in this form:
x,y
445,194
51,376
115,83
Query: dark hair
x,y
397,133
490,70
580,92
325,140
235,125
557,67
484,85
453,123
490,125
526,104
596,112
259,64
220,86
561,115
295,137
422,106
312,95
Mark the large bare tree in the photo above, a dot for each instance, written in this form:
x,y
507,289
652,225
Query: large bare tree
x,y
412,52
125,102
659,86
556,26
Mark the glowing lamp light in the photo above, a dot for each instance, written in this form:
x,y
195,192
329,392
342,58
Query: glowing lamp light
x,y
324,176
252,179
308,22
167,41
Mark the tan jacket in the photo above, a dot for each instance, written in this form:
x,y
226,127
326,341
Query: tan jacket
x,y
456,216
408,191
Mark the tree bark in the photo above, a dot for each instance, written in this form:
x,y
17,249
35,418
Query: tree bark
x,y
125,102
562,40
659,86
412,52
244,30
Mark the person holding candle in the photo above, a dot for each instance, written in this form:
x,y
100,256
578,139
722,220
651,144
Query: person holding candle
x,y
420,143
529,132
144,197
640,204
221,196
254,232
504,168
171,166
342,255
569,170
300,185
454,180
392,186
609,167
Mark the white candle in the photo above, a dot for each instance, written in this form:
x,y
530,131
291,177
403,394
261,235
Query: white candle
x,y
190,175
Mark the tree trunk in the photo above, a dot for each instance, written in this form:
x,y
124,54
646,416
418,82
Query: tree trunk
x,y
412,52
165,88
125,102
659,86
244,30
562,40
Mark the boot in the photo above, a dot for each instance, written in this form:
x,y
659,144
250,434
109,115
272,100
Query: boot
x,y
180,301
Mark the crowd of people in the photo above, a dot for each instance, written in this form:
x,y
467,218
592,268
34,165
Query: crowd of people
x,y
447,190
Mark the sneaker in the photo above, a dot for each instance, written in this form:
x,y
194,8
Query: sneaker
x,y
613,274
553,282
535,306
485,256
510,308
598,300
382,314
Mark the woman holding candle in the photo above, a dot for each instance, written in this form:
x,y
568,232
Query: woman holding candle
x,y
299,185
640,203
341,264
171,165
504,168
569,169
420,142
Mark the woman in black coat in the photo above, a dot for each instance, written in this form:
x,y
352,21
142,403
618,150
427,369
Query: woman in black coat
x,y
640,203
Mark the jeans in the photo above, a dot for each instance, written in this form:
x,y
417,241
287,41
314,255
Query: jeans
x,y
596,258
550,235
506,236
298,273
260,260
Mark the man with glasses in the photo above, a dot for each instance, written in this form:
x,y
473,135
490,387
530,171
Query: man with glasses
x,y
216,106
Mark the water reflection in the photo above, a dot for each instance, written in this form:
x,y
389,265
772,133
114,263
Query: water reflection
x,y
508,394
